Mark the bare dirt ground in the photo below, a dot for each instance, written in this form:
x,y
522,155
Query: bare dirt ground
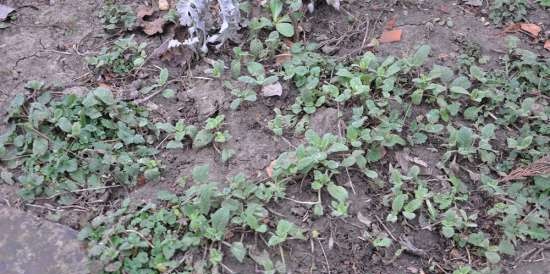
x,y
48,41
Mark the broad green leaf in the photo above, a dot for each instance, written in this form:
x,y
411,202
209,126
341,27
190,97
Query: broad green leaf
x,y
276,7
382,241
168,93
227,153
255,69
492,257
285,29
163,76
200,173
174,144
39,146
64,124
478,74
203,138
419,58
220,219
7,177
465,137
238,250
337,192
105,95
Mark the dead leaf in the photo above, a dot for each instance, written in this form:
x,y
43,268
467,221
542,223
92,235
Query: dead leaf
x,y
163,5
4,12
282,58
143,11
401,158
275,89
547,44
511,28
390,36
269,169
532,29
418,161
154,27
364,219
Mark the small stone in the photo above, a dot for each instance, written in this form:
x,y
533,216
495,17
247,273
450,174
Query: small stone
x,y
163,5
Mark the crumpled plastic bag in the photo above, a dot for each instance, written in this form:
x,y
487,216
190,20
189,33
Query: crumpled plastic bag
x,y
195,14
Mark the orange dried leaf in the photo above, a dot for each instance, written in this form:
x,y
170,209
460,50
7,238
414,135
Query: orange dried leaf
x,y
269,169
547,44
512,28
282,58
531,29
390,36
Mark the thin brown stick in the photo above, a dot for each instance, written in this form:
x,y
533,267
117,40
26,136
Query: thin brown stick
x,y
325,255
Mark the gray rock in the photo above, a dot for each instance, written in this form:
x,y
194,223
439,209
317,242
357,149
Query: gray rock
x,y
325,120
208,98
29,245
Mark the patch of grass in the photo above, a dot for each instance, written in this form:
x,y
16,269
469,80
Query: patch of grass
x,y
123,57
384,105
117,18
504,11
65,145
211,133
190,233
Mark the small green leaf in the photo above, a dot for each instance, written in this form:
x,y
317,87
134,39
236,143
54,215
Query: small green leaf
x,y
492,257
200,173
174,145
163,76
238,250
382,241
7,177
285,29
203,138
64,124
255,69
337,192
39,146
227,153
276,7
168,93
105,95
419,58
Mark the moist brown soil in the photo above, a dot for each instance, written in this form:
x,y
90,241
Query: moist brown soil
x,y
48,41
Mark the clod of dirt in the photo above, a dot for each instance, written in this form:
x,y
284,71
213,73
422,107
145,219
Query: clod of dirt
x,y
32,245
78,90
143,11
208,98
325,121
330,50
5,11
154,27
547,44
